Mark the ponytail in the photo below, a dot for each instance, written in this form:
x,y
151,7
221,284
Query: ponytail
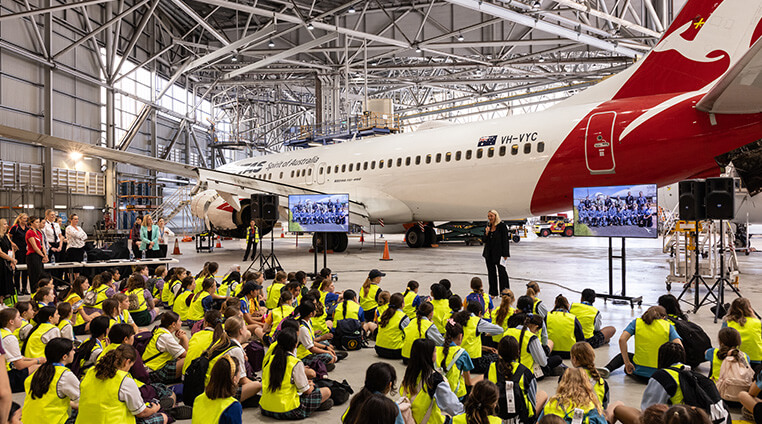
x,y
55,350
411,285
424,310
480,403
396,302
223,334
584,355
366,286
286,343
452,331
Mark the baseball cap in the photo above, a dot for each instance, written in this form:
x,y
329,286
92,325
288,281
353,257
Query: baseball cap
x,y
375,273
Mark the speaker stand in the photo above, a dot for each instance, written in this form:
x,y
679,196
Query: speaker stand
x,y
722,280
696,278
266,261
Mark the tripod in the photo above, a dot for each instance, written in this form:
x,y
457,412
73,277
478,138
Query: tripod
x,y
722,280
266,261
696,278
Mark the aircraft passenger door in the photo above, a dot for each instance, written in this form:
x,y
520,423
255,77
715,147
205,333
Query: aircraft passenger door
x,y
309,174
321,171
599,143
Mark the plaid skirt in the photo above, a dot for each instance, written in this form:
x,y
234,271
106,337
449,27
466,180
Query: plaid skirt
x,y
165,375
308,403
597,340
156,418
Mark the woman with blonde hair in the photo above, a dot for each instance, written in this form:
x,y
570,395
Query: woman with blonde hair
x,y
18,237
504,311
149,238
496,252
8,265
369,294
741,317
574,392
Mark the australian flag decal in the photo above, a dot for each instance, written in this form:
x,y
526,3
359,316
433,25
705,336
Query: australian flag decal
x,y
487,141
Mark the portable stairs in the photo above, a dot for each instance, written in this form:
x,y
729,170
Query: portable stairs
x,y
176,211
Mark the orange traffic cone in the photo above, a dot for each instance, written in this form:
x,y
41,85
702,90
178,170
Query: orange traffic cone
x,y
177,248
282,233
219,245
386,252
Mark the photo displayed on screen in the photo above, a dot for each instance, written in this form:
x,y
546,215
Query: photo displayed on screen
x,y
616,211
318,213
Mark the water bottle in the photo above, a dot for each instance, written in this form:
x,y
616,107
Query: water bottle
x,y
84,257
132,255
52,258
143,255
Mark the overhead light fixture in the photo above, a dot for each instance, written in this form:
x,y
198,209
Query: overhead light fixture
x,y
76,156
59,207
271,44
542,59
88,207
537,3
417,48
310,26
461,37
351,9
234,58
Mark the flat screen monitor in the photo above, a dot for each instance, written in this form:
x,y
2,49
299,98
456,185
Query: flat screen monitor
x,y
318,213
616,211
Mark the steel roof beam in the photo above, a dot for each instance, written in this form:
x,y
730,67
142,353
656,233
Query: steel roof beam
x,y
201,21
283,55
51,9
610,18
531,22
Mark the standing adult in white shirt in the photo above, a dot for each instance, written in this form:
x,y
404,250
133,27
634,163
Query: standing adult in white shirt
x,y
75,237
53,236
165,235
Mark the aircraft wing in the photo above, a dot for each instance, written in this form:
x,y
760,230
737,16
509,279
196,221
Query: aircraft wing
x,y
739,91
229,185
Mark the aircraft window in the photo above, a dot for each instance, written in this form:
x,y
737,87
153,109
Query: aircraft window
x,y
373,165
491,152
292,173
515,149
281,175
479,153
439,157
389,163
417,160
527,148
399,162
468,154
350,167
328,170
344,168
320,170
457,155
407,161
358,167
428,158
336,169
502,150
540,147
365,166
381,164
270,176
448,156
309,171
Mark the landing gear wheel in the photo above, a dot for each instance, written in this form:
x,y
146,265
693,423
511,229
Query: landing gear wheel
x,y
340,242
544,232
318,243
516,238
429,236
568,232
414,237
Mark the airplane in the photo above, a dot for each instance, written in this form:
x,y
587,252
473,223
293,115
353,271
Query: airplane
x,y
691,101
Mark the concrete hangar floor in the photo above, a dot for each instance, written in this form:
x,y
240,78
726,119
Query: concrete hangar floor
x,y
560,265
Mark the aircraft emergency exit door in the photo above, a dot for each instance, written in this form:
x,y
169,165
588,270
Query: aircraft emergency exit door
x,y
599,143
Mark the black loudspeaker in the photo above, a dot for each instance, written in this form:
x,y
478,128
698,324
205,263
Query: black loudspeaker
x,y
269,207
692,206
264,207
720,198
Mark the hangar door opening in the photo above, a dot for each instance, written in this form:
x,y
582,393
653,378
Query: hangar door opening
x,y
599,143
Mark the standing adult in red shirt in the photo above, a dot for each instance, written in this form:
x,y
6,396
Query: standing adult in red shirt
x,y
35,253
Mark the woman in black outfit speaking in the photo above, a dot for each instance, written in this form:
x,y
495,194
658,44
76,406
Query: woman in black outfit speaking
x,y
496,248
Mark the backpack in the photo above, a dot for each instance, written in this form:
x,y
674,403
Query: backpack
x,y
195,376
735,377
516,409
340,391
141,341
348,335
91,298
700,342
700,391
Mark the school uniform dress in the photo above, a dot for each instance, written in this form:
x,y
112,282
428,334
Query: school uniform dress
x,y
116,400
290,401
13,354
161,355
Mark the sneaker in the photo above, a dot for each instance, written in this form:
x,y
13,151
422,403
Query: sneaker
x,y
604,372
166,404
341,355
183,412
330,367
328,404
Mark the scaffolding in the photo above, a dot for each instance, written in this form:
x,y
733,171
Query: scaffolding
x,y
368,124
